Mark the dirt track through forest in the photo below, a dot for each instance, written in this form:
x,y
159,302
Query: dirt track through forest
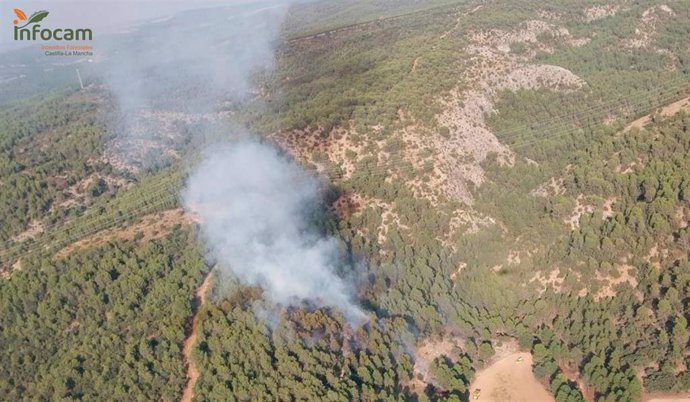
x,y
666,111
188,348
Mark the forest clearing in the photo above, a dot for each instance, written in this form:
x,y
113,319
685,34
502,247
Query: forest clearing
x,y
510,379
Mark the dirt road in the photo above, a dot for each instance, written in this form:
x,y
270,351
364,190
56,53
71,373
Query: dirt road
x,y
666,111
192,371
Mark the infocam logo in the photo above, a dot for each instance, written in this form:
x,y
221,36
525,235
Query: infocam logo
x,y
31,30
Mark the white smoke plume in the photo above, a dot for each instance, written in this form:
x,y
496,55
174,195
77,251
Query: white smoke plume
x,y
253,203
254,206
171,75
196,58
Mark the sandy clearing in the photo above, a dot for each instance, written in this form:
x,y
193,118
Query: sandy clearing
x,y
671,399
508,380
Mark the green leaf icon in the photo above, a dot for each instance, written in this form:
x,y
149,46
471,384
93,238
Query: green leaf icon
x,y
37,17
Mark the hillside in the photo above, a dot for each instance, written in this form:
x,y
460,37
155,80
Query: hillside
x,y
505,179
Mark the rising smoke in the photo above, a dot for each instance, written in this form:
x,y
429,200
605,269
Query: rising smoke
x,y
176,73
195,59
254,206
253,202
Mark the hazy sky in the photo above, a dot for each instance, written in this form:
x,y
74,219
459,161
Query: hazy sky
x,y
103,16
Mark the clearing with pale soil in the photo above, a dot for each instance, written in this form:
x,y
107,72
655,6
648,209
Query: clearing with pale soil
x,y
510,380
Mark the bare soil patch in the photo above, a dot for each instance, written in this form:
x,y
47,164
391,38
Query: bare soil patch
x,y
493,68
510,380
552,187
581,208
430,350
34,229
607,209
6,272
553,280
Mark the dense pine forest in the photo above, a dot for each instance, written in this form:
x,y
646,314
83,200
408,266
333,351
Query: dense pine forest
x,y
499,175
